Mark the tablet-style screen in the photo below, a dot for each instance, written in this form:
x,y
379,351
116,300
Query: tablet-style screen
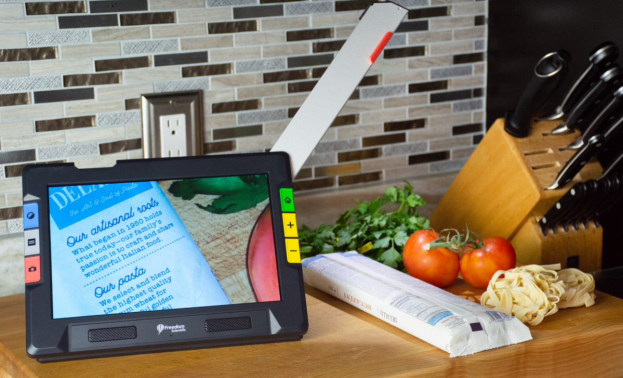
x,y
161,245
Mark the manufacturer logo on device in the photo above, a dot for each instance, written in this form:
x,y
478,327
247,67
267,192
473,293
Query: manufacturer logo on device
x,y
174,328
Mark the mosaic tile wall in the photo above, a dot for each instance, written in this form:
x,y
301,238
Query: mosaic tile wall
x,y
72,72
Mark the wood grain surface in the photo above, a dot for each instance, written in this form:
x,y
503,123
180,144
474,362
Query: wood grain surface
x,y
345,342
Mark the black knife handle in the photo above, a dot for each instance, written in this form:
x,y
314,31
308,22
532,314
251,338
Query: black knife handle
x,y
578,161
614,167
556,212
549,73
596,125
601,57
607,80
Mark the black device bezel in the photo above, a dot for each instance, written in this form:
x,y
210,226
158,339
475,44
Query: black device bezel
x,y
49,339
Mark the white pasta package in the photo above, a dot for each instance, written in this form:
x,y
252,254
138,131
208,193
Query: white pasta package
x,y
450,323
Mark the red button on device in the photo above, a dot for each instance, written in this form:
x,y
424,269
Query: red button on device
x,y
32,269
380,47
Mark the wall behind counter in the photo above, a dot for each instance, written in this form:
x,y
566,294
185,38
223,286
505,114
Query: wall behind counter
x,y
72,72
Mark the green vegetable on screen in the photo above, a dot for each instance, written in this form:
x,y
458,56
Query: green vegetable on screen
x,y
236,193
370,229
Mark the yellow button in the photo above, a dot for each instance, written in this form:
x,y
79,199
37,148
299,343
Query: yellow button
x,y
293,251
289,225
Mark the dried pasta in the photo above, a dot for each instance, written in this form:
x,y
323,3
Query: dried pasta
x,y
532,292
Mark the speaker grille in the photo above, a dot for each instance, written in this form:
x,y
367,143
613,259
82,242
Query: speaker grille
x,y
228,324
111,334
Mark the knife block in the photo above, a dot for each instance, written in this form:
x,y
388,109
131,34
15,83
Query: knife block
x,y
579,248
501,189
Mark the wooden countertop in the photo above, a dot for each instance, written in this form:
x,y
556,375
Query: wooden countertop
x,y
345,342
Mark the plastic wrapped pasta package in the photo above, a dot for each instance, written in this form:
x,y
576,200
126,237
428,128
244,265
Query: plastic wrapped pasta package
x,y
442,319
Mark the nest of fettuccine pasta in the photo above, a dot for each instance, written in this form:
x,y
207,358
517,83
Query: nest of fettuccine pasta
x,y
532,292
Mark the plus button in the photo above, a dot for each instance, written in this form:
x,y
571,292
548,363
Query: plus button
x,y
290,225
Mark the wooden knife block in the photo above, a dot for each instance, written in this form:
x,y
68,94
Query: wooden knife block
x,y
501,191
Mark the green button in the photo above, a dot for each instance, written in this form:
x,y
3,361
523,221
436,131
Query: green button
x,y
287,200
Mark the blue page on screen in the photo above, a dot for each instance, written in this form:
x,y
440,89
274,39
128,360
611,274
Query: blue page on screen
x,y
122,248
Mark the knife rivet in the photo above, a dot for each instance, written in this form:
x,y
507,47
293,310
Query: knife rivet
x,y
544,220
573,192
558,205
583,163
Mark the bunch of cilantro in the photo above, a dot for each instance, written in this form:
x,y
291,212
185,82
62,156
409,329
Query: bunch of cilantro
x,y
370,229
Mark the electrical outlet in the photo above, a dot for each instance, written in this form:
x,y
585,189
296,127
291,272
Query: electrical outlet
x,y
173,135
172,124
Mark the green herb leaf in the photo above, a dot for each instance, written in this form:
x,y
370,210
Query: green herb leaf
x,y
391,257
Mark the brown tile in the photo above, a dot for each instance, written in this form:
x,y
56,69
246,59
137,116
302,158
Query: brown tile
x,y
428,86
466,129
303,35
318,72
56,7
207,70
349,119
404,52
429,12
235,106
14,99
369,80
65,123
277,1
326,182
273,77
17,156
16,170
360,179
304,173
92,79
355,95
17,55
301,86
118,6
120,146
216,147
479,20
429,157
10,213
292,112
477,139
328,46
383,139
63,95
236,132
478,92
147,18
310,60
232,27
468,58
87,21
334,170
405,125
122,63
359,155
344,6
133,103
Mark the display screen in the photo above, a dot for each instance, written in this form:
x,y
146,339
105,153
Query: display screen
x,y
161,245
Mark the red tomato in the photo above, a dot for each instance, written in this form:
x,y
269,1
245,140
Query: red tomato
x,y
478,266
439,267
262,261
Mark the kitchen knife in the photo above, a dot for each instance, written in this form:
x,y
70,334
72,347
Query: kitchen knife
x,y
578,161
608,200
595,190
615,166
602,89
601,57
564,204
604,116
549,73
615,197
